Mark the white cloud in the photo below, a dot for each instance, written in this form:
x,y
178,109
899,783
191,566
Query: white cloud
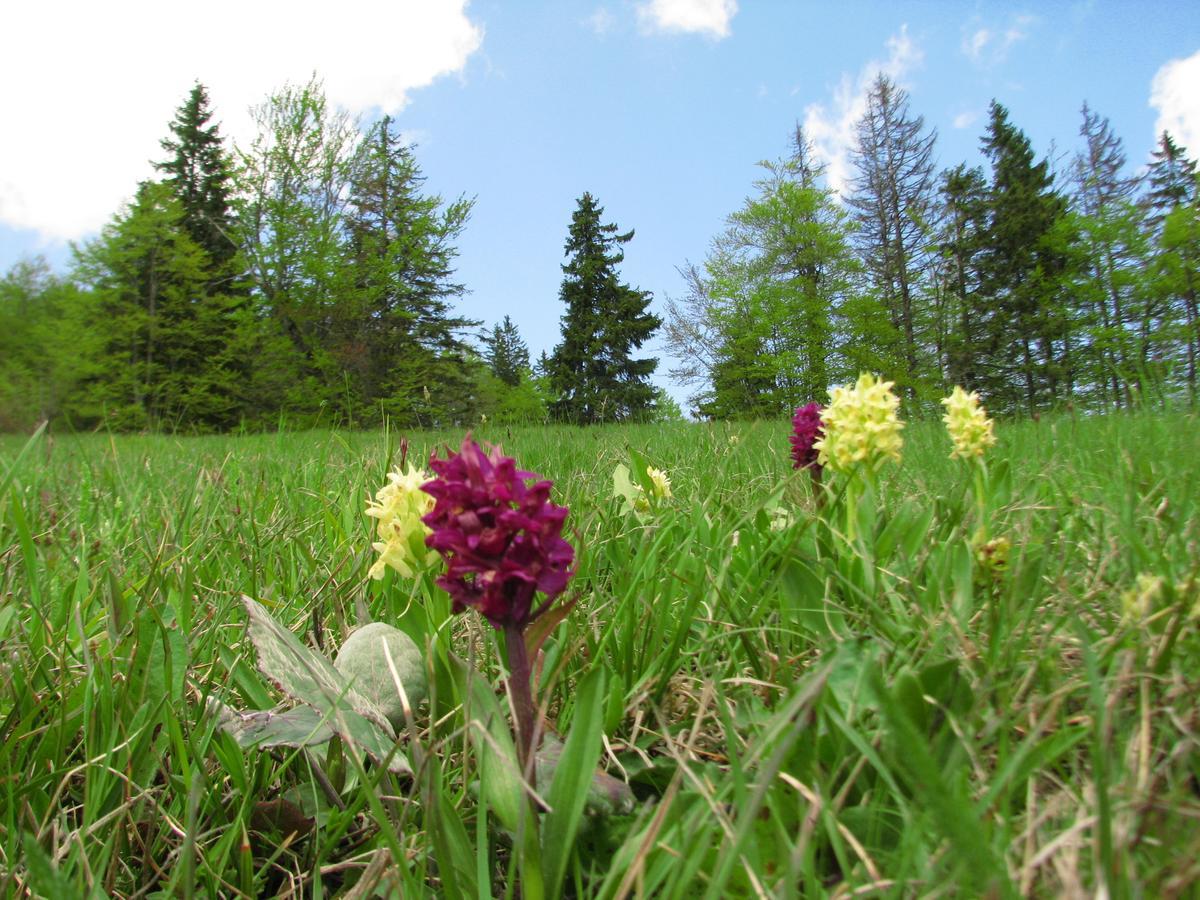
x,y
91,87
1175,93
601,21
986,46
965,119
831,131
707,17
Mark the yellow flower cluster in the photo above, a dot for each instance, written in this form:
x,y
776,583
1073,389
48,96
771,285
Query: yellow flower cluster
x,y
860,426
398,506
660,481
970,428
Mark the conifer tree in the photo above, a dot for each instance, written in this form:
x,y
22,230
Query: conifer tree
x,y
394,327
961,319
892,197
1171,178
200,173
165,360
593,371
1023,265
506,353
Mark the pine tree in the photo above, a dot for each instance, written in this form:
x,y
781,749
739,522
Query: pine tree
x,y
200,173
892,198
1112,296
165,361
593,371
1023,267
506,353
960,318
394,328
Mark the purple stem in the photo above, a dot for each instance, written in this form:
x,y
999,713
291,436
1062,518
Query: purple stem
x,y
520,691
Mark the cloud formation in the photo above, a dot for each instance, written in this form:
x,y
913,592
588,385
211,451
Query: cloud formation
x,y
601,21
966,119
88,89
831,130
707,17
1174,93
986,46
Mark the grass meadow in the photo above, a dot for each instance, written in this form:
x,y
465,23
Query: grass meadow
x,y
798,713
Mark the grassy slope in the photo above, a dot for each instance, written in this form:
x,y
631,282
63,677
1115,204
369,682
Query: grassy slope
x,y
797,714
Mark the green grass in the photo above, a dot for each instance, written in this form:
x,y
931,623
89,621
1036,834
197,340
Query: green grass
x,y
798,715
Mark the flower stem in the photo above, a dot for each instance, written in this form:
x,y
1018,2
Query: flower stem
x,y
521,693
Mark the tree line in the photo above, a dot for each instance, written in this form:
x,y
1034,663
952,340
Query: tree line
x,y
1039,283
306,279
309,279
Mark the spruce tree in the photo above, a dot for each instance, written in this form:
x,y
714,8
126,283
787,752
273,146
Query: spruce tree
x,y
1022,266
961,321
892,198
394,328
200,173
1171,177
506,353
593,371
165,360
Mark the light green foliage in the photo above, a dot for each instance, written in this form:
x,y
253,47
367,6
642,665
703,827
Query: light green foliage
x,y
48,345
373,658
778,313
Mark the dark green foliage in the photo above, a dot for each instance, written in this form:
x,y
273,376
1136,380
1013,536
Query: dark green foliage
x,y
506,353
959,330
593,372
1022,264
169,349
200,173
392,330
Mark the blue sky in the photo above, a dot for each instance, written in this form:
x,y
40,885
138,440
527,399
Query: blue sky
x,y
659,108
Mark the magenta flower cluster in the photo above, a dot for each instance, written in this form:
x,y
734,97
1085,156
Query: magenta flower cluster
x,y
806,431
501,536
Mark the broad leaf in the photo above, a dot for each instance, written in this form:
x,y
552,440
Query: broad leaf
x,y
310,678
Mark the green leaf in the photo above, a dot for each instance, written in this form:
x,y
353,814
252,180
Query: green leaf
x,y
310,678
495,752
573,778
363,661
298,727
